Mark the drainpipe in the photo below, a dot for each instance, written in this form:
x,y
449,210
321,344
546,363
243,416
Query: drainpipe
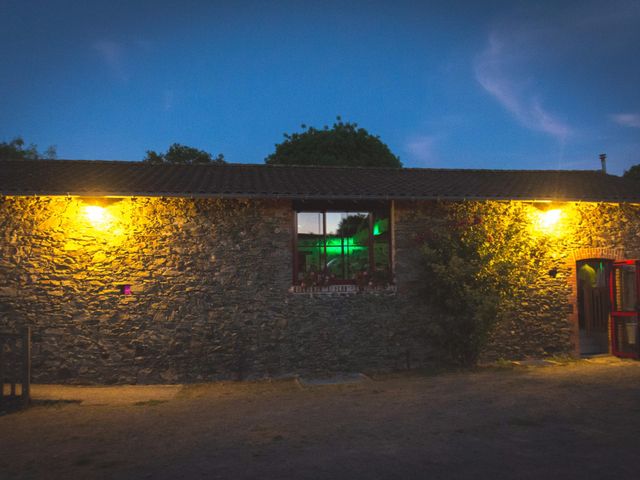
x,y
603,162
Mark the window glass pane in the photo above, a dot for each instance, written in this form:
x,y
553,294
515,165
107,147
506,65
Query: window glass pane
x,y
310,246
310,222
625,279
627,334
347,245
335,247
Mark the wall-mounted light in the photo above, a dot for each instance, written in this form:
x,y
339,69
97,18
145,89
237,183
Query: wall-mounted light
x,y
98,216
104,220
94,213
548,220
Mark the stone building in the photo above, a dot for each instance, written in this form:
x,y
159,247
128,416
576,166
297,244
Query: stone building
x,y
135,273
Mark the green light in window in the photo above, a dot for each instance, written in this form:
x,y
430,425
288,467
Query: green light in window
x,y
335,246
380,226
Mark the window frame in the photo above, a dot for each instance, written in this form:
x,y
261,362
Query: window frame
x,y
325,207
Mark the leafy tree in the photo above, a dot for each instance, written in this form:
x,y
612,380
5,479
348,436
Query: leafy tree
x,y
183,155
343,144
352,224
15,150
633,173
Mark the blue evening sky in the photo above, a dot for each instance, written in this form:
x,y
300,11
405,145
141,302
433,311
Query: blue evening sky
x,y
469,84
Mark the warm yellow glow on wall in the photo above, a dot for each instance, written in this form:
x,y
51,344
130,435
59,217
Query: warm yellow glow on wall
x,y
105,219
98,216
548,221
560,223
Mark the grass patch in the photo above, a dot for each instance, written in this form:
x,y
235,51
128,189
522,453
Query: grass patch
x,y
503,363
563,359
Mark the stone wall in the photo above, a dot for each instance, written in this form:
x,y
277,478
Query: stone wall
x,y
210,298
210,295
543,321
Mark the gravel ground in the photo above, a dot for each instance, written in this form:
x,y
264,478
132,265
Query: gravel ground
x,y
576,420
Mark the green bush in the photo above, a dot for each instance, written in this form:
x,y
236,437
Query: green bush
x,y
477,256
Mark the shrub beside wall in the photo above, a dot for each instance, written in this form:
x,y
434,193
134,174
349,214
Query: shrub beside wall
x,y
499,254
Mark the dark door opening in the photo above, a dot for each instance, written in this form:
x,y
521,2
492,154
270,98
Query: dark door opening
x,y
594,305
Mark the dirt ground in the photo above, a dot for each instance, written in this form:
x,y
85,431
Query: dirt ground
x,y
577,420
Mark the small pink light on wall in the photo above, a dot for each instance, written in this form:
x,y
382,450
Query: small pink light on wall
x,y
125,289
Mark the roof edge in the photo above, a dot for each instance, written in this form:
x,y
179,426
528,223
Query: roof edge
x,y
456,198
327,167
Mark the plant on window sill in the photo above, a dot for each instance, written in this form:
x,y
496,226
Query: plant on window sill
x,y
362,280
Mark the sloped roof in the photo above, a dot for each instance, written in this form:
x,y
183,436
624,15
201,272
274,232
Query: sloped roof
x,y
115,178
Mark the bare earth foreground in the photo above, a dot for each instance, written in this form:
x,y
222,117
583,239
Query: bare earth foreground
x,y
579,420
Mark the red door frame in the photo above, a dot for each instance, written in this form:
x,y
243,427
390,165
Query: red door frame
x,y
615,313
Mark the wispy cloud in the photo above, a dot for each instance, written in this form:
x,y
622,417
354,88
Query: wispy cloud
x,y
528,44
493,70
116,55
112,54
422,148
168,97
626,119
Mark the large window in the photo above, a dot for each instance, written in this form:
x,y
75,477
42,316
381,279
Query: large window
x,y
342,247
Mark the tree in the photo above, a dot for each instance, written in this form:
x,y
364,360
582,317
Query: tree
x,y
15,150
344,144
183,155
352,224
633,173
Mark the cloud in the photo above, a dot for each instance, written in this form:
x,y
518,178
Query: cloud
x,y
168,97
112,54
115,55
528,45
494,71
626,119
422,149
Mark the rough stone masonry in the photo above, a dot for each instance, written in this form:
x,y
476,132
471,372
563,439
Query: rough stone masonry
x,y
210,293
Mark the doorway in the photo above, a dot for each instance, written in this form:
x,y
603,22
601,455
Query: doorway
x,y
594,305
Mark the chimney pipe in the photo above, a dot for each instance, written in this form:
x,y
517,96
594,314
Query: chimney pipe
x,y
603,162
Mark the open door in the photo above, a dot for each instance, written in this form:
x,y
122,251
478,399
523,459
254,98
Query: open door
x,y
625,285
593,281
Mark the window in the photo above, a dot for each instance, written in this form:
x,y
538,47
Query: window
x,y
342,247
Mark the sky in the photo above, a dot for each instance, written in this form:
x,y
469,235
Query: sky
x,y
455,84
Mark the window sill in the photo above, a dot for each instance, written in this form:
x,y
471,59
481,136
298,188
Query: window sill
x,y
341,290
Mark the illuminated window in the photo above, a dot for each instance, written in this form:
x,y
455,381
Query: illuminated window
x,y
342,247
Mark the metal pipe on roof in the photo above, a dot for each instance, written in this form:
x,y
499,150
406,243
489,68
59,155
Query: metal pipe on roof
x,y
603,162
